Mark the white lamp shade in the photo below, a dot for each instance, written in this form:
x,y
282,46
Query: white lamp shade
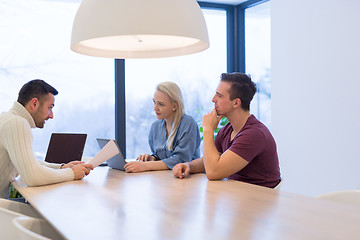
x,y
139,28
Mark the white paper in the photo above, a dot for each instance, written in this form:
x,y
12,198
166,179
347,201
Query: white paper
x,y
107,152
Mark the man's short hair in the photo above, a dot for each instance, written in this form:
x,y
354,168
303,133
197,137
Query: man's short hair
x,y
241,87
36,88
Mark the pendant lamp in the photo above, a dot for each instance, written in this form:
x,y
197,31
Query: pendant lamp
x,y
139,28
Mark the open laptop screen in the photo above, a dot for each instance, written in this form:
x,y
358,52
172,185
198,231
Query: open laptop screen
x,y
116,162
65,147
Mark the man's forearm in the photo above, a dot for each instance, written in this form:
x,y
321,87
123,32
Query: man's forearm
x,y
211,155
196,166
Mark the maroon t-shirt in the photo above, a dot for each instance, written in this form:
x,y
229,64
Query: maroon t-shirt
x,y
256,145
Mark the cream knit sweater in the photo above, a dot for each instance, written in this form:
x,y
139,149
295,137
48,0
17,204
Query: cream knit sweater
x,y
16,153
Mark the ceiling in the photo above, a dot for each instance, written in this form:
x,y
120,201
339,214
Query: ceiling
x,y
232,2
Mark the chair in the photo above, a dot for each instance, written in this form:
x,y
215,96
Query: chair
x,y
35,229
7,229
351,197
18,207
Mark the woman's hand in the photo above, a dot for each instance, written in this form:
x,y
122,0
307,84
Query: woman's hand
x,y
146,157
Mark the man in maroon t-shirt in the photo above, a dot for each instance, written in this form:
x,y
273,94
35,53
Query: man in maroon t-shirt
x,y
244,149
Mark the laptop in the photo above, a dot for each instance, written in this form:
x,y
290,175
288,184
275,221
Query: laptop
x,y
116,162
65,147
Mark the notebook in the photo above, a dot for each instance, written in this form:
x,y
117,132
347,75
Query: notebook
x,y
65,147
116,162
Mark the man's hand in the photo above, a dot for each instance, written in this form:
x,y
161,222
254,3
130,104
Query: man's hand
x,y
71,164
211,120
81,170
145,158
181,170
136,166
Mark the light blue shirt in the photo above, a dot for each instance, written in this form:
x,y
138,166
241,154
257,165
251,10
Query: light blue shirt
x,y
186,142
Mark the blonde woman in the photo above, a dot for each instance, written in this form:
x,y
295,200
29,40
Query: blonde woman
x,y
174,138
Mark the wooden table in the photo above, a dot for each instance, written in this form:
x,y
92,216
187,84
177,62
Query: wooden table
x,y
111,204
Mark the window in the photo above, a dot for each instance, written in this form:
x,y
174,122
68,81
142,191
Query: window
x,y
197,75
35,43
257,49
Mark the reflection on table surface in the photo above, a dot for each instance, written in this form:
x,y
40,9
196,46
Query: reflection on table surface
x,y
111,204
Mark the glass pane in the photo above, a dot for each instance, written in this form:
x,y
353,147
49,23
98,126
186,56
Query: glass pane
x,y
257,48
35,43
197,75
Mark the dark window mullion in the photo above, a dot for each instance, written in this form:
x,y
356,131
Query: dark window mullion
x,y
120,105
240,39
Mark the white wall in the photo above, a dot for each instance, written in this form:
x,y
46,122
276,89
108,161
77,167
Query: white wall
x,y
316,93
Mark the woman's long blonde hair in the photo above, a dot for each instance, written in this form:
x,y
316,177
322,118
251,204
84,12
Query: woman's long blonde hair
x,y
173,91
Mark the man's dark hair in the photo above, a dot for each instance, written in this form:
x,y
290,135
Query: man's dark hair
x,y
36,88
241,87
